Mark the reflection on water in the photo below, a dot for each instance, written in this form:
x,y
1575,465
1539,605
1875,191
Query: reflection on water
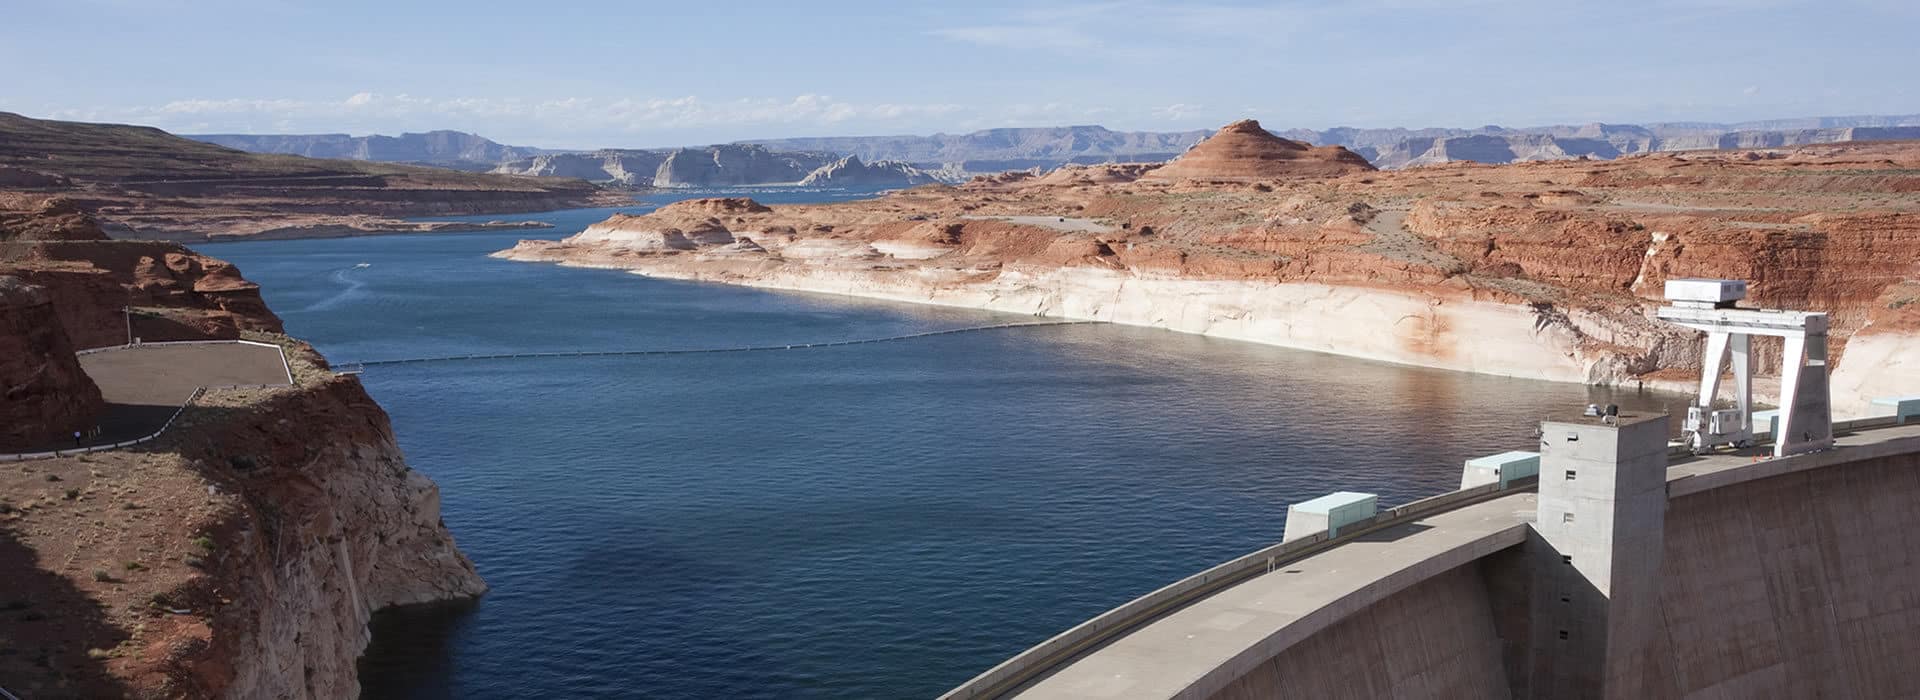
x,y
866,521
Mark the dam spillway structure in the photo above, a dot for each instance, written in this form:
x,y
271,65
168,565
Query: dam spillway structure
x,y
1805,420
1605,562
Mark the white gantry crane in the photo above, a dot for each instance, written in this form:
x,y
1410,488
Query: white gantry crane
x,y
1806,418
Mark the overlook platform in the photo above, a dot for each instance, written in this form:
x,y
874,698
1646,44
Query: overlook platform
x,y
145,385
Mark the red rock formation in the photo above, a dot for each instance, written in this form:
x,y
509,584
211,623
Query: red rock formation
x,y
1242,151
29,217
1556,264
1103,174
267,524
715,206
175,294
44,395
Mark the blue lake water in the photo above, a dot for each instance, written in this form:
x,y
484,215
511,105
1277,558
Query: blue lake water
x,y
880,520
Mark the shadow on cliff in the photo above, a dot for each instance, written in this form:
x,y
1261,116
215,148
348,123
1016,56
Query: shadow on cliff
x,y
47,627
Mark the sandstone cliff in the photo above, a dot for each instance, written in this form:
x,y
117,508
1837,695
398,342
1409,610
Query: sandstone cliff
x,y
729,165
1546,270
238,556
627,167
44,395
105,290
852,172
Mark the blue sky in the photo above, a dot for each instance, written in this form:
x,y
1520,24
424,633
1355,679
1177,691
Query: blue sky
x,y
586,74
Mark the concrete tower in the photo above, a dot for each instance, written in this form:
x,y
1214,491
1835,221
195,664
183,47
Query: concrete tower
x,y
1596,560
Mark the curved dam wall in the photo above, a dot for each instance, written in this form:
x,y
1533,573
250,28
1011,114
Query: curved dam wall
x,y
1805,584
1437,639
1800,585
1786,577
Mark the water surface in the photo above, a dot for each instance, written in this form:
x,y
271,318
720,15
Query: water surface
x,y
875,520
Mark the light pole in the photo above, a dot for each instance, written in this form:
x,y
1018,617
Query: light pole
x,y
128,310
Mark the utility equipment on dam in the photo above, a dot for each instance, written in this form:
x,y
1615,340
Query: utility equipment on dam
x,y
1806,418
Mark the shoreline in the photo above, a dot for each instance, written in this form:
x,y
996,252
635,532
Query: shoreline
x,y
1062,303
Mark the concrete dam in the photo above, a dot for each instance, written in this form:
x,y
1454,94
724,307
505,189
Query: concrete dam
x,y
1614,562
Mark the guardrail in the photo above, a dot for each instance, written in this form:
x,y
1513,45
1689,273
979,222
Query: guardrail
x,y
197,393
1049,654
27,456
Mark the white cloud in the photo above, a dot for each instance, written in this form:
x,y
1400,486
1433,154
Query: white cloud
x,y
1179,112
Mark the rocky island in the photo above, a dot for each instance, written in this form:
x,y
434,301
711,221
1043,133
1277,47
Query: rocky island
x,y
1546,270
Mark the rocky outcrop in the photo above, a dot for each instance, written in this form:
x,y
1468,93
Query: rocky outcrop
x,y
731,165
321,534
1085,175
711,166
626,167
1547,270
852,172
44,394
1242,151
30,217
103,291
241,554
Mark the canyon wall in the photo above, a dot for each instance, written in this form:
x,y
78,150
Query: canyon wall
x,y
240,554
44,394
329,525
1548,270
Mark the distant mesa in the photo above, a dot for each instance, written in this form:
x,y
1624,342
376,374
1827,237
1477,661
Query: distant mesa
x,y
1243,151
725,165
447,149
852,172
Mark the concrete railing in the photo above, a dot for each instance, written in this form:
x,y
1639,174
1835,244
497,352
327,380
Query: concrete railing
x,y
1063,647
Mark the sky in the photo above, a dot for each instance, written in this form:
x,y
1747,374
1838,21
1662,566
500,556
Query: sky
x,y
586,74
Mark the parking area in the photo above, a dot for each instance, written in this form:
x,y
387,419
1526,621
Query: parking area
x,y
144,385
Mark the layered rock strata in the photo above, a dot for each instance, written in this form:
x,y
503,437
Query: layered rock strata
x,y
1546,270
241,554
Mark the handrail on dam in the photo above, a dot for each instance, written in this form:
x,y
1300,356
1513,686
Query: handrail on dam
x,y
1063,647
698,351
